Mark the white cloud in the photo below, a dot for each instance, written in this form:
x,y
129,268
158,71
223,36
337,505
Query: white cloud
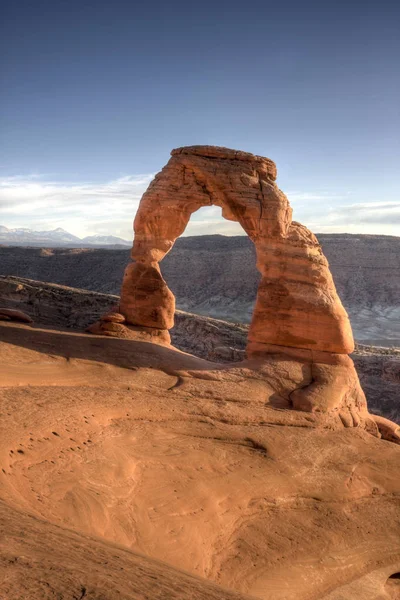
x,y
368,212
363,217
81,208
90,208
296,196
42,203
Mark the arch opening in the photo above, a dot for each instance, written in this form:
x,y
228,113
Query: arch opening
x,y
202,271
297,305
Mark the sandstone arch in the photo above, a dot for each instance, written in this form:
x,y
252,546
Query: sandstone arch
x,y
300,335
297,305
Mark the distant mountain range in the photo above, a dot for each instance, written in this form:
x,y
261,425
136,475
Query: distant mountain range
x,y
23,236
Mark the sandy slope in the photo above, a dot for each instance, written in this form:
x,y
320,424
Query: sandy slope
x,y
187,462
40,561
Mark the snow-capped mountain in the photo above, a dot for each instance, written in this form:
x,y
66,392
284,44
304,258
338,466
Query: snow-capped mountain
x,y
105,240
28,236
22,236
58,234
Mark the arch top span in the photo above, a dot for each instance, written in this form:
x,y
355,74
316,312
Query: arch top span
x,y
297,304
220,152
242,184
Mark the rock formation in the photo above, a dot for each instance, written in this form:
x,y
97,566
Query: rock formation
x,y
9,314
297,304
298,315
212,339
216,276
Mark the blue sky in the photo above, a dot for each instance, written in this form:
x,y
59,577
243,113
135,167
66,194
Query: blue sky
x,y
96,94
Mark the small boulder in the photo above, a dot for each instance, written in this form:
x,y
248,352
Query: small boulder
x,y
10,314
113,317
389,430
130,332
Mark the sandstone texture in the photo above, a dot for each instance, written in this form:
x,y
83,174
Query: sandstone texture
x,y
298,315
141,282
41,561
113,317
297,304
213,339
129,332
117,454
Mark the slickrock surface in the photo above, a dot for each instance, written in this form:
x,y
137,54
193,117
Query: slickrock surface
x,y
202,465
40,561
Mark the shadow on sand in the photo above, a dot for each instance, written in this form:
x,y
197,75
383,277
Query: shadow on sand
x,y
128,354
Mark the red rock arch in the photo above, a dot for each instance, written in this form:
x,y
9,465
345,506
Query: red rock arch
x,y
297,305
298,322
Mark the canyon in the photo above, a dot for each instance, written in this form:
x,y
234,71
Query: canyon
x,y
216,276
